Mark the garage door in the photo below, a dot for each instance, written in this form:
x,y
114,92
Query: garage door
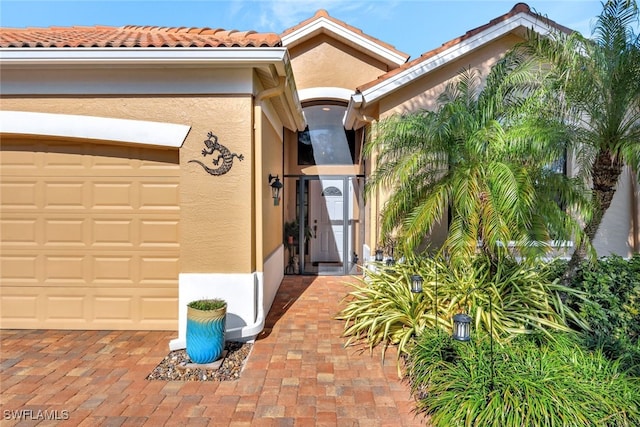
x,y
89,235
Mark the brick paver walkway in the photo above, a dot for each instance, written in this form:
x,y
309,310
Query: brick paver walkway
x,y
298,374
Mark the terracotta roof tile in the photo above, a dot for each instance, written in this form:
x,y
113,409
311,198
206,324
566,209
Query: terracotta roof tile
x,y
518,8
133,36
321,13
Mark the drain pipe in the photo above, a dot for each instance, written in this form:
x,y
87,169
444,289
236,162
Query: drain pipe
x,y
635,210
243,332
272,91
357,111
256,327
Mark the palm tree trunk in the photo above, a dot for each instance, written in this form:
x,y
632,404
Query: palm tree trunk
x,y
606,171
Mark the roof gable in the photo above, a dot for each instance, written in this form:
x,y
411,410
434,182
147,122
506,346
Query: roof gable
x,y
322,23
519,18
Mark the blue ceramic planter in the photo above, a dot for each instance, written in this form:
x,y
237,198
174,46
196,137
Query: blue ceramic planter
x,y
205,334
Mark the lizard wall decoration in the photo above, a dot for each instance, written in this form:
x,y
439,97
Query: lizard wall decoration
x,y
212,146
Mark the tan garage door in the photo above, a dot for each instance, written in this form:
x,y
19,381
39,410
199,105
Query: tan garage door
x,y
89,236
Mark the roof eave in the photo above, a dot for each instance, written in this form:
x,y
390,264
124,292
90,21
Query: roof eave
x,y
180,56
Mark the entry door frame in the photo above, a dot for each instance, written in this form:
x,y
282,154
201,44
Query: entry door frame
x,y
347,223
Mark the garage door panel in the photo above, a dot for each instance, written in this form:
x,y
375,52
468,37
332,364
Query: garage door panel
x,y
158,269
158,195
16,159
19,307
158,233
109,233
19,231
69,195
113,195
18,195
65,270
20,268
114,269
65,232
68,308
33,307
90,236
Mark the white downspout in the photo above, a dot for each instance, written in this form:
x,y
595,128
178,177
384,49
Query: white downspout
x,y
635,211
255,328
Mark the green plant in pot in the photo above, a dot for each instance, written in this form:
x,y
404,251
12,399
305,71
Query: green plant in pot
x,y
292,232
206,322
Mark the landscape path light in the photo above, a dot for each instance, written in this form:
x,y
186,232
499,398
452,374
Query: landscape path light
x,y
462,329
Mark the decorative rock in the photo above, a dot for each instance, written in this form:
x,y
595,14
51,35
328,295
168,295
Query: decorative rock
x,y
177,366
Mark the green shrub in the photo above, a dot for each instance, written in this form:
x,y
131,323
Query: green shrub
x,y
207,304
383,310
612,307
538,382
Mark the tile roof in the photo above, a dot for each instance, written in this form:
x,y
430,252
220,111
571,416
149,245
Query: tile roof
x,y
133,36
321,13
518,8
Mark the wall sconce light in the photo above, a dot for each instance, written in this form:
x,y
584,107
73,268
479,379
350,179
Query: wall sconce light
x,y
416,284
276,186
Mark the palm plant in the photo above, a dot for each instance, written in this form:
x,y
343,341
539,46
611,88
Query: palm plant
x,y
483,156
599,78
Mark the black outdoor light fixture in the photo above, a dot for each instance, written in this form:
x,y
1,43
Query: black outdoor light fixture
x,y
379,255
462,328
416,283
276,186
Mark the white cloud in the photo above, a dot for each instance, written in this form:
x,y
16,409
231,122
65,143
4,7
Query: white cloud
x,y
277,15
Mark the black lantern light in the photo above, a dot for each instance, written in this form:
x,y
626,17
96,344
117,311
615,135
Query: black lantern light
x,y
379,255
416,284
462,329
276,186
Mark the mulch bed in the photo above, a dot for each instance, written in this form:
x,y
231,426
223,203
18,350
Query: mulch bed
x,y
174,366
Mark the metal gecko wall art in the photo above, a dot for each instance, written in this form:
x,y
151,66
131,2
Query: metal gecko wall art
x,y
212,146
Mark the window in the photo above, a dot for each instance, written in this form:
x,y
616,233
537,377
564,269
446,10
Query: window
x,y
325,141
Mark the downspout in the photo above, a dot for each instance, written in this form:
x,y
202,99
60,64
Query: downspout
x,y
354,115
272,91
258,325
258,180
635,211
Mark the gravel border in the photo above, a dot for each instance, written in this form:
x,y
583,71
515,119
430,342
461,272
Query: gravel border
x,y
173,366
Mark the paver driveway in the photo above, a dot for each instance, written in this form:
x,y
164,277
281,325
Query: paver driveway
x,y
298,374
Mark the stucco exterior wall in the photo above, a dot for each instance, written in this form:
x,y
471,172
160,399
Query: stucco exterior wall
x,y
423,93
271,164
349,68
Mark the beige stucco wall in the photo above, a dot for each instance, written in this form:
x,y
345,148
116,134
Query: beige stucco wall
x,y
271,164
325,62
424,92
215,220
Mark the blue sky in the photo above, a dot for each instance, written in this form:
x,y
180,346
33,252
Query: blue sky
x,y
412,26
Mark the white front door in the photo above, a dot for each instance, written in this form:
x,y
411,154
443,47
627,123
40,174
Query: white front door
x,y
326,218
